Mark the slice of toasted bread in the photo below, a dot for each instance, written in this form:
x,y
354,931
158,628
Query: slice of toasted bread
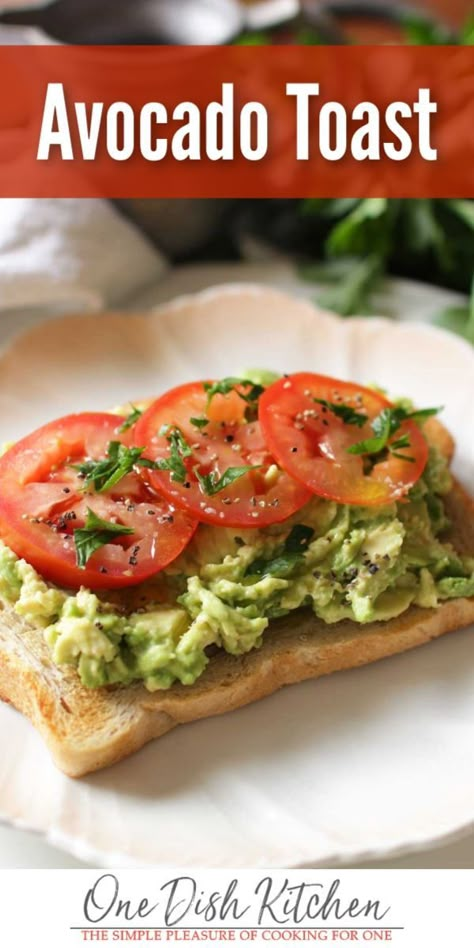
x,y
86,730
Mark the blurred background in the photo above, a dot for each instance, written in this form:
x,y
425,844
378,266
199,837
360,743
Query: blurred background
x,y
363,22
346,245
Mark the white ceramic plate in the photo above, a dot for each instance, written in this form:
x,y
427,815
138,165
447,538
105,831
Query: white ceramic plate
x,y
366,762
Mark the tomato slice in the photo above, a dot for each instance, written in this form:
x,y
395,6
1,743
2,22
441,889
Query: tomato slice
x,y
311,442
43,501
221,439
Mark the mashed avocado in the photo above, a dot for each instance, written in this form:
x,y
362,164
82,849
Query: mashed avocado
x,y
342,562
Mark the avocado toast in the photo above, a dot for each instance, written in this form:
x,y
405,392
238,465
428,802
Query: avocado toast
x,y
227,620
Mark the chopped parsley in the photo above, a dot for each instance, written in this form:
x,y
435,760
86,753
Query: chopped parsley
x,y
386,424
131,419
120,461
396,446
95,534
212,484
199,422
250,394
348,414
299,538
288,558
179,449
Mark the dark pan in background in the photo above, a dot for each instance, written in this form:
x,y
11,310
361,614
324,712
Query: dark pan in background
x,y
195,21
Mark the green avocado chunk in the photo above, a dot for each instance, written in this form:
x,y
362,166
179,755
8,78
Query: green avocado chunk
x,y
343,562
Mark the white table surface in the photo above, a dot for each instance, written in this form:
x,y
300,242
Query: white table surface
x,y
26,850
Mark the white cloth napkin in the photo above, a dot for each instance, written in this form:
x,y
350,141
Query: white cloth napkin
x,y
69,254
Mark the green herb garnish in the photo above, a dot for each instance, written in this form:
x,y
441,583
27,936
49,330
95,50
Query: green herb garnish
x,y
386,424
299,538
396,447
212,484
95,534
231,384
120,461
131,419
382,428
288,558
179,449
349,415
199,422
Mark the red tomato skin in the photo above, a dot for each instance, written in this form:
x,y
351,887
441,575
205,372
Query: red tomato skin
x,y
35,457
314,449
227,441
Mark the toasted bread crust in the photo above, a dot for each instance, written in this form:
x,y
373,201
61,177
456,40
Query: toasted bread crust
x,y
87,730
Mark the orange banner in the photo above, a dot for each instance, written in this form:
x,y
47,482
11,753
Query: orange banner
x,y
280,121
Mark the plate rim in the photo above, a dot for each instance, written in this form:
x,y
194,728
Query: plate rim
x,y
109,859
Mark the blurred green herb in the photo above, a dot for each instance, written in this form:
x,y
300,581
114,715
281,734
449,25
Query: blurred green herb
x,y
421,30
365,235
467,32
459,319
350,286
253,39
299,36
418,29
